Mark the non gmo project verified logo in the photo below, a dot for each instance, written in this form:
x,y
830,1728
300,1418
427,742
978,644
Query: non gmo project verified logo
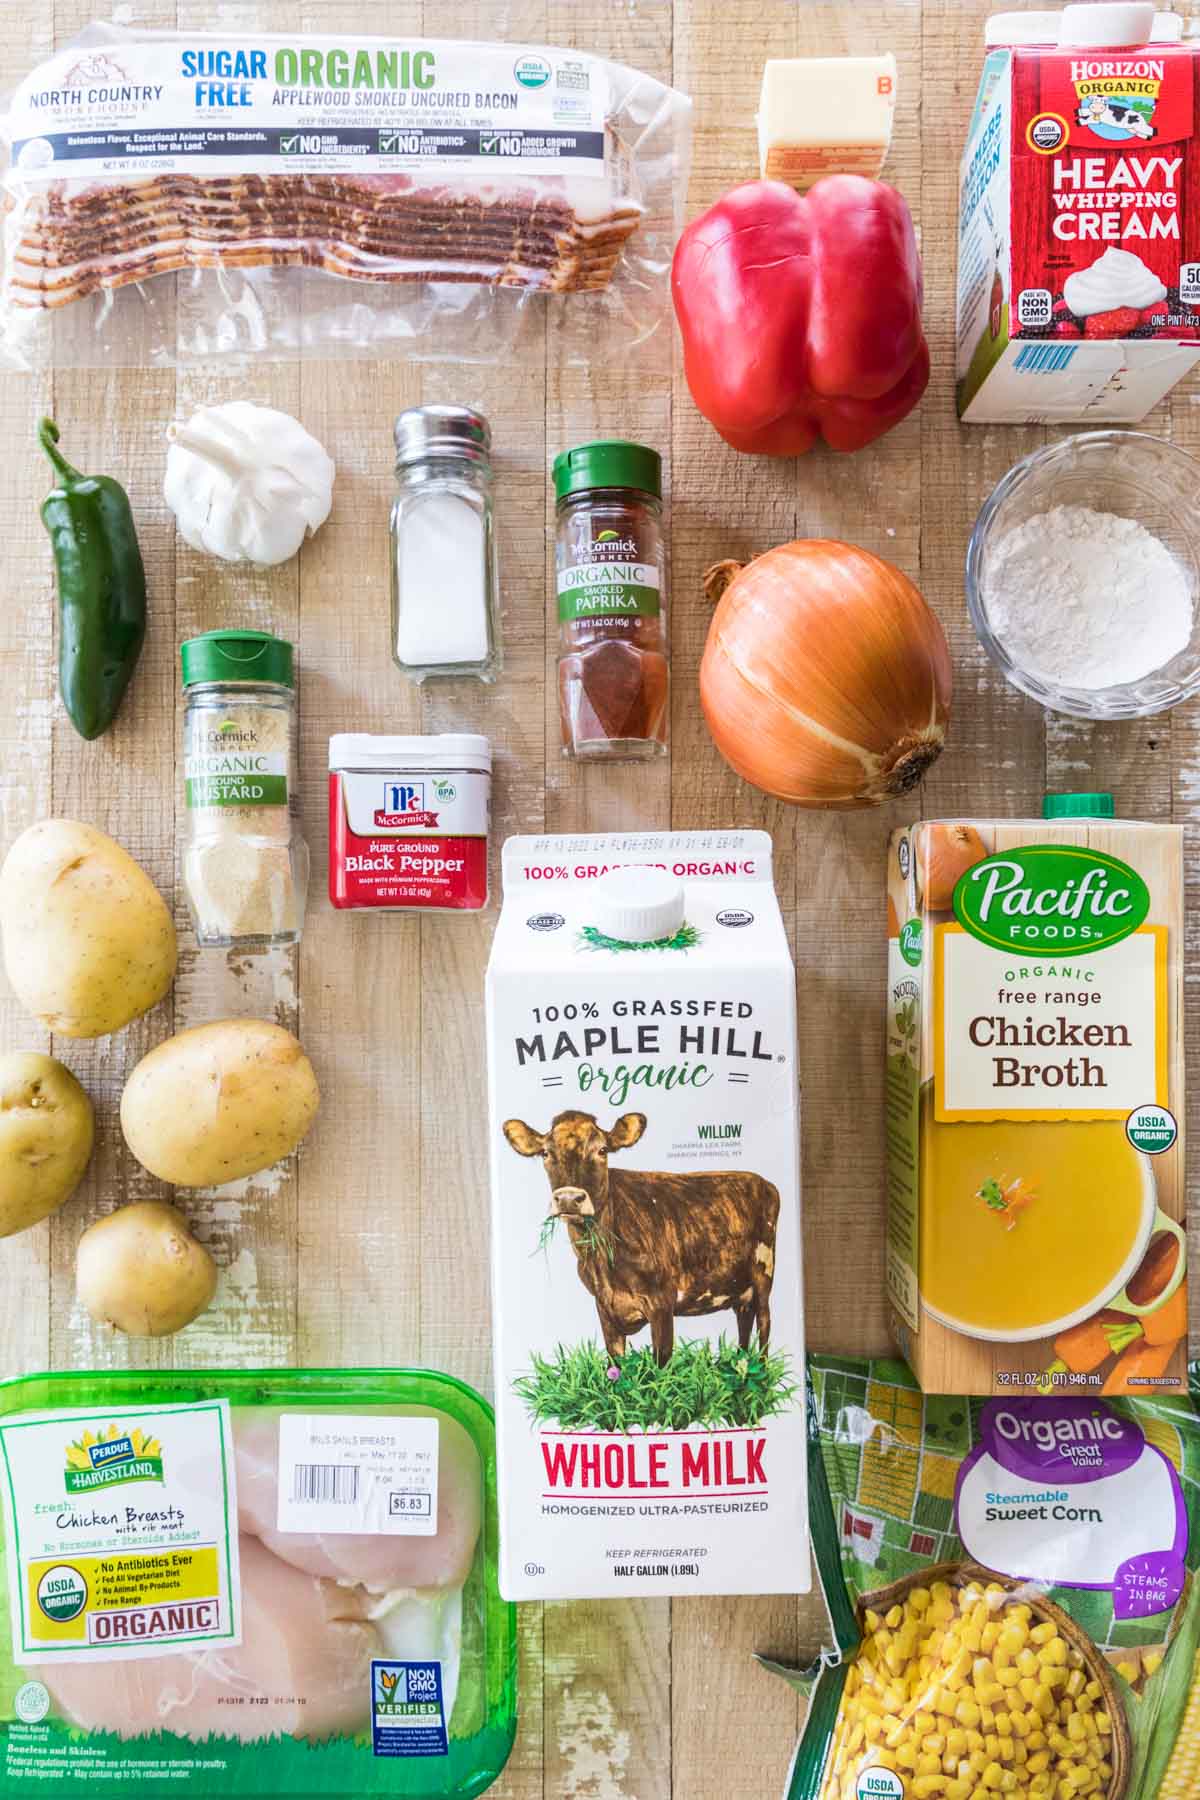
x,y
408,1715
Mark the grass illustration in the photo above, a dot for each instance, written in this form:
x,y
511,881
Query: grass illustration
x,y
591,1235
686,938
581,1388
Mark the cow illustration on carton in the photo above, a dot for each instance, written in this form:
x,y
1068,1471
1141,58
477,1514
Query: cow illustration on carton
x,y
645,1169
650,1246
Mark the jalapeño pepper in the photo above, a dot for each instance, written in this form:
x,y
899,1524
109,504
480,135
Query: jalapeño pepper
x,y
101,589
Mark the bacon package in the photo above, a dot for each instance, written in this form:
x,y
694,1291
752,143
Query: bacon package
x,y
236,162
279,1582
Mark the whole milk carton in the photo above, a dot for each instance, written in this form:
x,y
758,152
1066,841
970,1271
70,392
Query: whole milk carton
x,y
649,1345
1079,219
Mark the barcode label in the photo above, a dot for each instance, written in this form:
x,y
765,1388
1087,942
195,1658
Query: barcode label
x,y
361,1473
1043,359
324,1484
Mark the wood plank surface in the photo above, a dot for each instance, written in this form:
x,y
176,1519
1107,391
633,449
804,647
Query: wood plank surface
x,y
370,1247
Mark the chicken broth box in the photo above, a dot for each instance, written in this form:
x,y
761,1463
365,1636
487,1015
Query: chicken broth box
x,y
649,1346
1035,1103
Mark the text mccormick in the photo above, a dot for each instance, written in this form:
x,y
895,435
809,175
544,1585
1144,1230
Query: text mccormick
x,y
646,1228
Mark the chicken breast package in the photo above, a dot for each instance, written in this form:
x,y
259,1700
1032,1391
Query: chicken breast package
x,y
278,1582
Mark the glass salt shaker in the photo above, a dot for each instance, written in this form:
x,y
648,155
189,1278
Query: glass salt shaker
x,y
445,585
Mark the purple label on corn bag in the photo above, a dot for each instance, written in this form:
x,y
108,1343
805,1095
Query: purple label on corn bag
x,y
1068,1493
1148,1584
1066,1440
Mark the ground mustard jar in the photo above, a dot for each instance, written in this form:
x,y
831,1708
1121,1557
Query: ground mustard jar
x,y
245,865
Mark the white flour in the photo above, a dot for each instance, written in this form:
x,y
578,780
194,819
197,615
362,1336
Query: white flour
x,y
1088,599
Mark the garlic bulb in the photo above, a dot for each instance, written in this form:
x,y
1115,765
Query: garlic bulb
x,y
247,483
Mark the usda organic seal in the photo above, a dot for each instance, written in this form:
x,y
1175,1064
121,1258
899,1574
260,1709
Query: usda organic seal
x,y
62,1593
532,71
879,1784
1151,1129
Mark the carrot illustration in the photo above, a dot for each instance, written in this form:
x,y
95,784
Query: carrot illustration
x,y
1170,1322
1084,1347
1007,1199
1140,1363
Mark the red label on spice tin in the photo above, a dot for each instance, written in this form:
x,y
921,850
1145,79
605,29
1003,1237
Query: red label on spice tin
x,y
409,840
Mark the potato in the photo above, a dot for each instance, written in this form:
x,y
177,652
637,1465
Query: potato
x,y
141,1270
88,940
46,1132
219,1102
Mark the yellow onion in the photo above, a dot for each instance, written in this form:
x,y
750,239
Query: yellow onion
x,y
826,678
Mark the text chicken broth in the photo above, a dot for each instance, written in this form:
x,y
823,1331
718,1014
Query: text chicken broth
x,y
646,1228
1035,1102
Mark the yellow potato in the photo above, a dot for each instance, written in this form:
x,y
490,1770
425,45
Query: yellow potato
x,y
141,1270
88,940
46,1133
219,1102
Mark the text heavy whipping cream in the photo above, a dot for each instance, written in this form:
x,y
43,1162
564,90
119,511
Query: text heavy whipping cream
x,y
1079,225
649,1348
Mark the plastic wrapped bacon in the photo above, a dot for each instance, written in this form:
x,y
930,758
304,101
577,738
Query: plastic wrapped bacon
x,y
408,168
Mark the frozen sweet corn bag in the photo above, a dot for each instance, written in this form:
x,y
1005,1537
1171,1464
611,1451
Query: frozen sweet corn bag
x,y
1013,1592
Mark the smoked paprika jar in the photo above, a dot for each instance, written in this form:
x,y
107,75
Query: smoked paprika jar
x,y
612,665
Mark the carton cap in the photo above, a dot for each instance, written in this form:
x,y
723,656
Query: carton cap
x,y
1011,28
637,905
1107,25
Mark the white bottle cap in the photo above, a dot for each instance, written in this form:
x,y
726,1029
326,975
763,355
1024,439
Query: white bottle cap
x,y
1167,28
638,905
1022,28
1107,24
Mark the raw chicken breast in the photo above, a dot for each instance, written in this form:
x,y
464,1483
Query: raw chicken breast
x,y
306,1649
380,1561
416,1627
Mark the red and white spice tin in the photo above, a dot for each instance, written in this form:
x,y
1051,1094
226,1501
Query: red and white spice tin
x,y
408,822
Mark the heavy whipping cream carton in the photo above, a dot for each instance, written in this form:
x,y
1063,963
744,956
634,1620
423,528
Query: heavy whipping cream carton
x,y
1079,221
649,1345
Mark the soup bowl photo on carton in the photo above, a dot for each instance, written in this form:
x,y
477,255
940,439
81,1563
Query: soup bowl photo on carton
x,y
1112,1296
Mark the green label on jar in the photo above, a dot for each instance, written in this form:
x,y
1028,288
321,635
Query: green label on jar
x,y
236,779
608,589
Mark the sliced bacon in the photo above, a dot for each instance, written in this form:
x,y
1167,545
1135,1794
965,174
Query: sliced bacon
x,y
66,241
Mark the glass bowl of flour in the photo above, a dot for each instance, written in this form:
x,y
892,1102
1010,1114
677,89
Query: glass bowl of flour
x,y
1083,575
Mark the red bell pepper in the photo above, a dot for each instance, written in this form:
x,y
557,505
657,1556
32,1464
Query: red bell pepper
x,y
801,314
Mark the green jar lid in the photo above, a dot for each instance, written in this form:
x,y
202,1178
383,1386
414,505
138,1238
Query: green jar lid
x,y
609,463
237,656
1078,806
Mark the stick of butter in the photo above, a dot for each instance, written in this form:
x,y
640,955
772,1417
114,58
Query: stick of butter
x,y
825,115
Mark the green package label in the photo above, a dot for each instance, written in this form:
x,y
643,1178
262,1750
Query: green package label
x,y
608,590
237,788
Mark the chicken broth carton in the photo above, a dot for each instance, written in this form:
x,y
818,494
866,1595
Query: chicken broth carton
x,y
649,1346
1035,1103
1079,220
